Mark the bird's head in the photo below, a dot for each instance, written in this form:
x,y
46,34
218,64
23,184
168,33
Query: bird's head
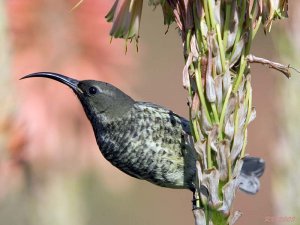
x,y
97,98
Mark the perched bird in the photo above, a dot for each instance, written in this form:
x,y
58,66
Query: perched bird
x,y
144,140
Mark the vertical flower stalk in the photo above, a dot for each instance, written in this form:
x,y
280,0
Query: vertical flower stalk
x,y
217,37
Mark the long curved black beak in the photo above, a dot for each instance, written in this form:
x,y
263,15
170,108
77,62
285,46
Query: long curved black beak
x,y
72,83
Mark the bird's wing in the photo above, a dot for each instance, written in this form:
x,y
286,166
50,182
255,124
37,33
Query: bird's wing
x,y
160,109
252,169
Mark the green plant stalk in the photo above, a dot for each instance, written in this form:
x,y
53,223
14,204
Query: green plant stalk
x,y
245,53
215,113
240,27
249,43
198,32
226,25
211,14
249,101
244,144
206,11
196,134
221,47
188,41
201,92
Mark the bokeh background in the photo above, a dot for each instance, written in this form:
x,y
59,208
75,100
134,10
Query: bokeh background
x,y
51,171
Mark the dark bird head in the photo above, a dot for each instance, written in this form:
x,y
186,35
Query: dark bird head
x,y
99,99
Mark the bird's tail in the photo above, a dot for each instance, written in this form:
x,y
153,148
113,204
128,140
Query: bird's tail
x,y
253,168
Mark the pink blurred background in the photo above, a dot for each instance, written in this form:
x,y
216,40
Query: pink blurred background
x,y
51,171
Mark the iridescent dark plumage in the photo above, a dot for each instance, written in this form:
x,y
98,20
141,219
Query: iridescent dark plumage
x,y
143,140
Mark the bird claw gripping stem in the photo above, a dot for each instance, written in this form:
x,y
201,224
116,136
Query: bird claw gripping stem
x,y
196,201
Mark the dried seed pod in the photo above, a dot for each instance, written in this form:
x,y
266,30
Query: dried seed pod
x,y
237,169
209,82
222,156
230,106
185,73
233,26
226,82
218,64
218,13
194,47
206,126
210,88
228,191
238,141
229,128
200,148
242,115
211,182
237,53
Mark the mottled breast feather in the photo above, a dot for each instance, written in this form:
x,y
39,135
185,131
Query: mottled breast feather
x,y
148,142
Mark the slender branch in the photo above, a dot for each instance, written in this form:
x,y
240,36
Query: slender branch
x,y
274,65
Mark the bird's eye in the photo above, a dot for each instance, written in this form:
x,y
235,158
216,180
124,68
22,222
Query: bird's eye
x,y
92,90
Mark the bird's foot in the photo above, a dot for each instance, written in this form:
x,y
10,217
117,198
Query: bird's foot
x,y
196,202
